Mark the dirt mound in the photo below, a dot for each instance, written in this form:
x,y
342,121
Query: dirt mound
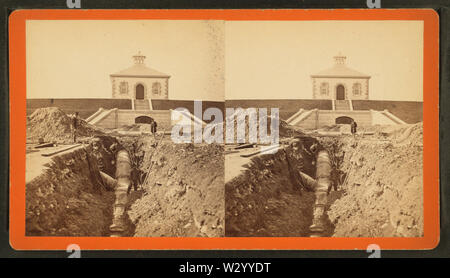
x,y
331,128
183,192
287,130
408,135
53,125
383,195
135,127
240,118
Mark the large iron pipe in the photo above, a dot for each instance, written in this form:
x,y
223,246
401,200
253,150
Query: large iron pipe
x,y
323,174
323,171
123,173
109,181
123,167
308,182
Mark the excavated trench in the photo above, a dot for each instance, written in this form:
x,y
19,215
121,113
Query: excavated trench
x,y
176,189
70,197
269,199
377,187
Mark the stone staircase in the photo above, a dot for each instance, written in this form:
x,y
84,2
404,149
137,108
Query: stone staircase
x,y
141,104
342,105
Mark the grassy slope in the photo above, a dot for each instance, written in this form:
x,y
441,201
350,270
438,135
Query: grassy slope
x,y
409,111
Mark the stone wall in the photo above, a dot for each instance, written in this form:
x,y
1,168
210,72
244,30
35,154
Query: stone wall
x,y
320,118
362,118
409,111
167,104
120,117
288,107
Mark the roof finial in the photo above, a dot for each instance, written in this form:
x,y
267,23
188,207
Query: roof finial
x,y
339,59
139,59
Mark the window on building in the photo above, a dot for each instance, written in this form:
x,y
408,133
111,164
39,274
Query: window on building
x,y
123,88
357,89
156,88
324,87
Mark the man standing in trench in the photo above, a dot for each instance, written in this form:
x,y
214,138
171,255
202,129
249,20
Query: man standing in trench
x,y
353,126
75,122
153,127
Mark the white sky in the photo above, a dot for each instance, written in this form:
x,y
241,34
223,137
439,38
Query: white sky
x,y
73,59
274,59
212,59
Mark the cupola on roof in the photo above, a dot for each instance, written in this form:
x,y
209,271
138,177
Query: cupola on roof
x,y
139,69
340,69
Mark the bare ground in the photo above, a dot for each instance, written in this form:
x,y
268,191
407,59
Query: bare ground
x,y
183,194
383,196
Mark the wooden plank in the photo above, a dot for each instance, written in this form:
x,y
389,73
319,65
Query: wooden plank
x,y
60,150
44,145
244,146
260,151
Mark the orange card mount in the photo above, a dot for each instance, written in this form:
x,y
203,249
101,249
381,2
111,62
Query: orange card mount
x,y
19,239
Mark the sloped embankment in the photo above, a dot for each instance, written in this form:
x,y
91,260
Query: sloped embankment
x,y
183,191
68,198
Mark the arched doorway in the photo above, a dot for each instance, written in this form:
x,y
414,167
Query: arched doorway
x,y
340,92
139,91
143,120
344,120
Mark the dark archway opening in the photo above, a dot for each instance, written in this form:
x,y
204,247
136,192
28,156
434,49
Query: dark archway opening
x,y
340,92
140,91
344,120
143,120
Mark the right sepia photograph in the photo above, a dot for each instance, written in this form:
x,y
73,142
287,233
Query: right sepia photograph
x,y
344,157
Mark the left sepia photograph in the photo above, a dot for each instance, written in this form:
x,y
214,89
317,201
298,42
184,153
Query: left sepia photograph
x,y
101,96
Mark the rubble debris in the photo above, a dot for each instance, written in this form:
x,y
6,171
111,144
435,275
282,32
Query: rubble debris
x,y
387,199
239,118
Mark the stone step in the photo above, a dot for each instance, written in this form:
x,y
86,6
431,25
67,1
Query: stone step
x,y
141,104
342,105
